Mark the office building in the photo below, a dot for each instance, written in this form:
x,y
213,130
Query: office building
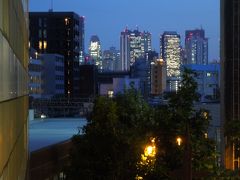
x,y
52,75
196,46
118,85
111,59
60,33
170,52
158,77
208,81
141,70
95,51
230,89
88,81
151,56
133,45
35,74
13,89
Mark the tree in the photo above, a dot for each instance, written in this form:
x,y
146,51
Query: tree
x,y
111,144
179,118
113,141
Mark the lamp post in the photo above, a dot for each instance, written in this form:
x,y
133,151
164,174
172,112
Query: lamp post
x,y
187,166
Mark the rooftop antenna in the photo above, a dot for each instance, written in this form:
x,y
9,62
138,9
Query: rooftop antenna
x,y
51,9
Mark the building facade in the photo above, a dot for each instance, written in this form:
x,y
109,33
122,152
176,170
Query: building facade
x,y
13,89
170,52
196,46
133,45
158,77
95,51
208,80
52,75
111,59
141,70
60,33
230,61
35,68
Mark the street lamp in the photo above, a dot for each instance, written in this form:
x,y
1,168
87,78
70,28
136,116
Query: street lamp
x,y
179,141
150,150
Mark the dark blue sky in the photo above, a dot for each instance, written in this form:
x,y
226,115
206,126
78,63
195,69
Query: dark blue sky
x,y
107,18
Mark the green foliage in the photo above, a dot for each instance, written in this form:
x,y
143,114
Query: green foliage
x,y
178,119
109,147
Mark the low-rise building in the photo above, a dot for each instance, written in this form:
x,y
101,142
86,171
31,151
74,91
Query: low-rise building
x,y
208,80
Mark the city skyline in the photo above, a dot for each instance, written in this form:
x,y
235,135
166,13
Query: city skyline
x,y
108,19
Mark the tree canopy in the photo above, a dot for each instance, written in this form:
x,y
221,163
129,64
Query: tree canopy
x,y
114,140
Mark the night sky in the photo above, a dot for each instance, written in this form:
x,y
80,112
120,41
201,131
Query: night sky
x,y
107,18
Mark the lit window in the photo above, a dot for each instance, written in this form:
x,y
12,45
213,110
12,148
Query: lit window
x,y
40,44
66,21
208,74
36,55
110,94
44,44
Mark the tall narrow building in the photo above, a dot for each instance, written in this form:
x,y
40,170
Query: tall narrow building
x,y
170,52
230,59
13,89
196,47
95,51
124,51
133,45
61,33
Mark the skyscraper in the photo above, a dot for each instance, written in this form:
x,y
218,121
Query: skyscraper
x,y
13,89
95,51
61,33
112,55
196,46
124,51
230,63
133,45
170,52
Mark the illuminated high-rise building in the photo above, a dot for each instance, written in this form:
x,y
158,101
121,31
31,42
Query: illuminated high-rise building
x,y
230,87
146,41
60,33
170,52
133,45
95,51
196,47
13,89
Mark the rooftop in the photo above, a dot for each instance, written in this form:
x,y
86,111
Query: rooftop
x,y
46,132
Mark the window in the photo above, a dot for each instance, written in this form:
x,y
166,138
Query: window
x,y
66,20
44,44
209,74
40,33
40,45
110,94
45,33
40,22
